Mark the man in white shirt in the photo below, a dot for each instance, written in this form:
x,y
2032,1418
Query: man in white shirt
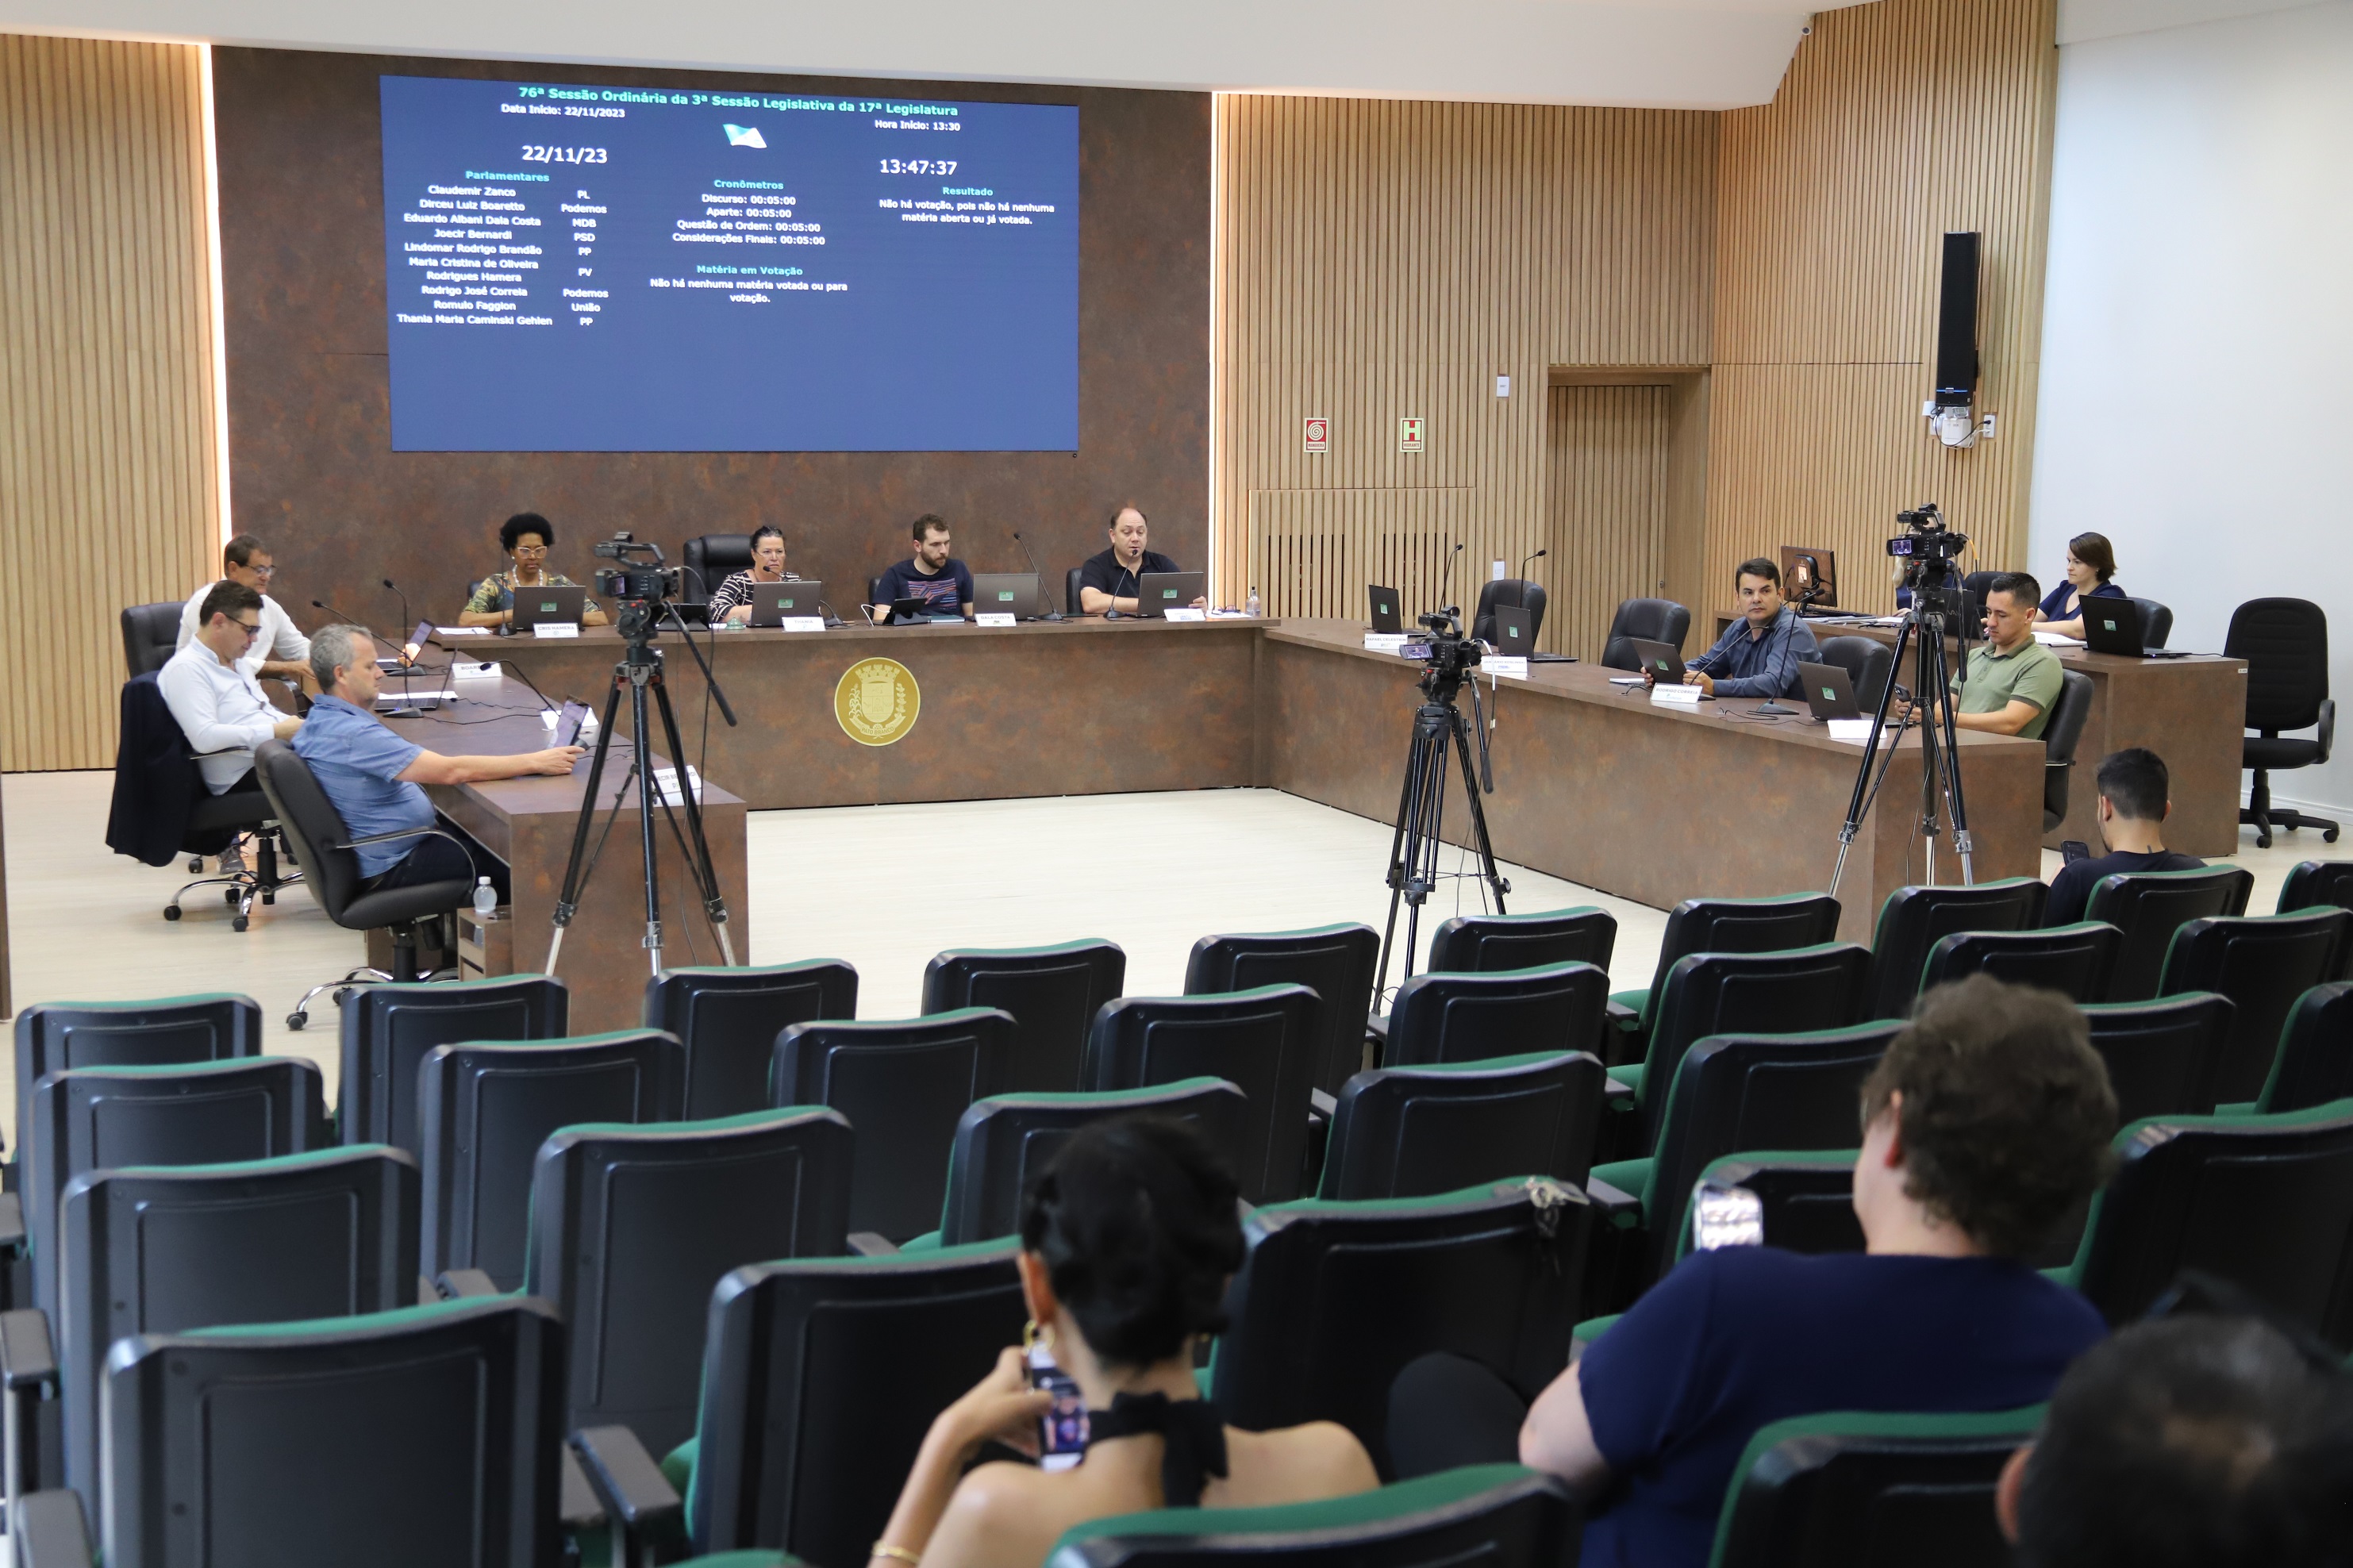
x,y
219,705
280,649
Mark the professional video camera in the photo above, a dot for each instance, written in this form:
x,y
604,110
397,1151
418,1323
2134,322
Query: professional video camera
x,y
633,582
1926,541
1451,654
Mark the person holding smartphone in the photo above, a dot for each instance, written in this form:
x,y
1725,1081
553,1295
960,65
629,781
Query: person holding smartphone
x,y
1127,1243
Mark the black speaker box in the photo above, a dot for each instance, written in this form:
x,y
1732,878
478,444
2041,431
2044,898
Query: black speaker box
x,y
1956,321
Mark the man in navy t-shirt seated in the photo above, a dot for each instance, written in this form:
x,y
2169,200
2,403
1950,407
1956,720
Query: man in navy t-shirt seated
x,y
944,584
1986,1121
2135,794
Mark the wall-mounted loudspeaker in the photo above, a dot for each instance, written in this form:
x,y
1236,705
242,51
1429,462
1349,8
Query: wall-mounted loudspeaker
x,y
1956,344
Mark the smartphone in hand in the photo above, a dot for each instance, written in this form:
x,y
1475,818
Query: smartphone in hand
x,y
568,722
1062,1430
2072,850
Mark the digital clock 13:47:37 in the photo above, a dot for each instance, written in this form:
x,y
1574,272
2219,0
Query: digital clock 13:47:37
x,y
918,166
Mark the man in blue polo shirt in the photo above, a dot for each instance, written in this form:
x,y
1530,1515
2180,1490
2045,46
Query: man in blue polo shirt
x,y
1759,654
374,778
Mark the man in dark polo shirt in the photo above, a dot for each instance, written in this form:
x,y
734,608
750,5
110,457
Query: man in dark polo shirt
x,y
1109,581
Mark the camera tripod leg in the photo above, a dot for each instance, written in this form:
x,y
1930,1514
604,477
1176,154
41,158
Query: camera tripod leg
x,y
1862,786
1479,841
638,734
1953,801
1425,777
567,898
699,862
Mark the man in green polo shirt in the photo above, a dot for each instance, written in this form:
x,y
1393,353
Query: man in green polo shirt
x,y
2013,680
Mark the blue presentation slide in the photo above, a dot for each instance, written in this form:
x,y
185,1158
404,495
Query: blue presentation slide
x,y
646,270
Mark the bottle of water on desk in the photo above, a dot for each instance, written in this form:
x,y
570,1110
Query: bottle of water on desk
x,y
1254,606
486,899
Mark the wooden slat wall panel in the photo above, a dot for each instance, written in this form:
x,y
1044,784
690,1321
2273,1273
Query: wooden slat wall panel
x,y
1609,495
1377,259
1898,122
107,480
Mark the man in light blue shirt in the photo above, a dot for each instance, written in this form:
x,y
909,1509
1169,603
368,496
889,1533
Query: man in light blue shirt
x,y
374,779
1759,654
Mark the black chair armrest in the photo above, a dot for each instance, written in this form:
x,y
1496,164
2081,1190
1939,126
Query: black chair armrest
x,y
15,1254
403,833
463,1284
1618,1015
28,1374
1620,1209
12,1222
576,1507
46,1529
1617,1096
637,1497
868,1244
1322,1104
2327,726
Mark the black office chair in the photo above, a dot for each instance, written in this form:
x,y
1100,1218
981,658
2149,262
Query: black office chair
x,y
632,1228
150,635
1866,662
1003,1142
150,779
2263,963
1977,584
1485,942
1517,592
1335,1299
1262,1041
1071,591
151,1251
1406,1132
2076,961
2061,736
2286,644
2165,1057
730,1019
2155,623
484,1110
874,592
170,1031
1726,925
710,559
1448,1016
325,846
387,1029
2315,1062
904,1084
1801,1202
2311,883
1336,962
1914,919
1822,987
1852,1487
1653,620
2148,907
1053,994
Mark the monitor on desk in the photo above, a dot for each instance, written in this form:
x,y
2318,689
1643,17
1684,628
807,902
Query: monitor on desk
x,y
1809,576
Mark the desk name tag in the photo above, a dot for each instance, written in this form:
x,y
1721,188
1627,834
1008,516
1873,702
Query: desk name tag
x,y
1187,614
1384,642
992,619
1509,667
803,623
1686,696
554,629
465,670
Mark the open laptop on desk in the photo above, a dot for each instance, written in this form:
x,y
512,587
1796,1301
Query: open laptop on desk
x,y
1830,691
1386,620
2113,627
771,602
557,604
1515,637
1016,594
912,612
1157,593
1662,662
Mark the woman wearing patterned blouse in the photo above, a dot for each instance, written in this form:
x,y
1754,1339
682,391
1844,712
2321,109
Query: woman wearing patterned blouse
x,y
525,538
732,600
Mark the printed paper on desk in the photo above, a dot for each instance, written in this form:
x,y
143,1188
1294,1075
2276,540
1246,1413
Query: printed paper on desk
x,y
2057,639
803,623
993,618
554,629
1187,614
1509,668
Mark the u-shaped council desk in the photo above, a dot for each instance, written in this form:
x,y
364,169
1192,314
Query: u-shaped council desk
x,y
1594,782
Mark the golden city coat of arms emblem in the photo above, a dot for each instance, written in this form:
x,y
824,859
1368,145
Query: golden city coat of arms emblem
x,y
877,701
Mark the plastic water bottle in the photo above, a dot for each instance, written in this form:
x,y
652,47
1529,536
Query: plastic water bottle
x,y
1255,606
486,899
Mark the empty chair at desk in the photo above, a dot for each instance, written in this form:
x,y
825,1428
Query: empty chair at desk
x,y
1726,925
1914,919
1261,1041
2286,644
2265,1202
1405,1132
904,1084
1446,1016
2314,1064
1336,962
2075,961
729,1019
1866,661
153,1250
1053,994
387,1029
632,1228
54,1037
1480,942
2059,738
1800,1202
1515,592
2263,963
2148,907
483,1111
1320,1321
1648,620
2156,622
2164,1057
2314,882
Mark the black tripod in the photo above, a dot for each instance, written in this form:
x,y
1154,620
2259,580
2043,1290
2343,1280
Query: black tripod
x,y
1438,725
640,670
1922,632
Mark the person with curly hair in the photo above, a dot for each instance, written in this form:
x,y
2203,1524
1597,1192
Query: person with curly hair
x,y
1985,1124
526,537
1127,1242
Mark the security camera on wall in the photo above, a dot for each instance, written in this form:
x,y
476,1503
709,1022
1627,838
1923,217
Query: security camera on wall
x,y
1952,412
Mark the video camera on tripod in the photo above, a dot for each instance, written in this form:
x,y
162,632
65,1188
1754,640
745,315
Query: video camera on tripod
x,y
633,582
1450,655
1926,546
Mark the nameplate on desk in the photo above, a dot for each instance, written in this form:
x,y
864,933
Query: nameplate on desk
x,y
666,783
1510,666
388,698
992,619
1677,696
467,669
1384,642
1853,732
554,629
1187,614
803,623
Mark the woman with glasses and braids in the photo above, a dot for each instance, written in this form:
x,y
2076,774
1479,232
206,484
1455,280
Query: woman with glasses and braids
x,y
526,538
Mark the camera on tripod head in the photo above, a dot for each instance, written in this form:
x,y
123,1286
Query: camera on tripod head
x,y
635,582
1451,654
1927,547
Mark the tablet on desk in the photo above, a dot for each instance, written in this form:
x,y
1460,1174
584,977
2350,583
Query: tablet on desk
x,y
918,612
1157,593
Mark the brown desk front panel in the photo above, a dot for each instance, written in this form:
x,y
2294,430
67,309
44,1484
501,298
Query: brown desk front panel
x,y
528,824
1082,706
1653,803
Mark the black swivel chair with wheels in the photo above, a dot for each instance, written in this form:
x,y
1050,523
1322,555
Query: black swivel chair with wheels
x,y
1515,592
1866,663
2286,644
162,809
709,560
1653,620
150,635
317,831
2059,739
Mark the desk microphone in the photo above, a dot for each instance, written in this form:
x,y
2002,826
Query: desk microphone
x,y
1447,576
1051,613
1520,598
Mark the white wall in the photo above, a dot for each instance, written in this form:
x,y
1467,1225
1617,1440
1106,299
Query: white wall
x,y
2198,328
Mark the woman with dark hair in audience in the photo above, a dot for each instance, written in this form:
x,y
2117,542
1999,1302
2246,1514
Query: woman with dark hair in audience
x,y
2090,565
1127,1242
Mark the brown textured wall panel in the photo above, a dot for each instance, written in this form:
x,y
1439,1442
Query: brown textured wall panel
x,y
1898,122
303,238
107,479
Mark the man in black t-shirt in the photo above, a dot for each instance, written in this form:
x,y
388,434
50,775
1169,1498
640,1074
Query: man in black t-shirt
x,y
2135,795
1109,580
944,585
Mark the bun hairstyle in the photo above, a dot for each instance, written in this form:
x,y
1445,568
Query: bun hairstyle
x,y
1136,1218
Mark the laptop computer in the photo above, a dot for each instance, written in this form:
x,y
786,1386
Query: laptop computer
x,y
771,602
1016,594
914,612
1387,621
557,602
2113,625
1662,662
1157,593
1514,638
1830,690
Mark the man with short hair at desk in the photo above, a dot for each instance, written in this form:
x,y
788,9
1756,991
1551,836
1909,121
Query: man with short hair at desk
x,y
2011,682
1109,583
1759,654
216,700
929,573
2135,794
279,650
373,778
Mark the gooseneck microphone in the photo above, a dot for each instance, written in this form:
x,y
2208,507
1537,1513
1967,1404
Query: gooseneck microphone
x,y
1051,613
1447,576
1520,598
407,710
